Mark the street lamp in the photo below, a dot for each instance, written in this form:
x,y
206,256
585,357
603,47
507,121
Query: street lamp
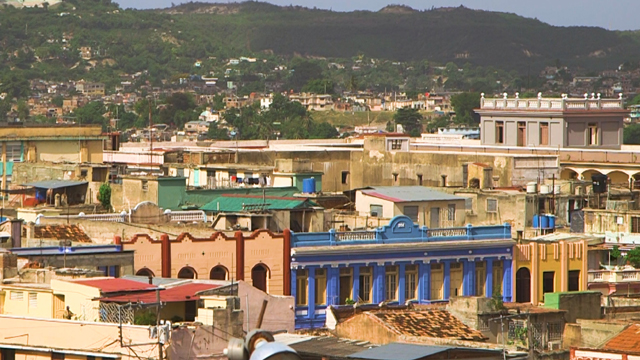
x,y
65,246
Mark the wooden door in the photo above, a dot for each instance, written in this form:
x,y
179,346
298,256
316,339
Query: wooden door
x,y
437,282
455,276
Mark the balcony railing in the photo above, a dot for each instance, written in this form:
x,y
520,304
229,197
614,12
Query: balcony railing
x,y
385,235
613,276
561,104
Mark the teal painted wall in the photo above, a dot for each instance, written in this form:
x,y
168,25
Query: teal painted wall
x,y
171,192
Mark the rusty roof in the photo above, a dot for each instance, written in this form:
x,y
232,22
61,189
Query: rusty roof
x,y
61,232
428,323
628,340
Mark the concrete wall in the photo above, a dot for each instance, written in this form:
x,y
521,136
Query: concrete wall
x,y
364,327
17,301
79,299
595,333
124,260
533,130
76,335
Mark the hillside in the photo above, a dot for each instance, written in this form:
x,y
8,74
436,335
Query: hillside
x,y
44,42
480,37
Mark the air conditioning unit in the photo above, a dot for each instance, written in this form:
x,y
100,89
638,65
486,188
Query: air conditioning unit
x,y
555,345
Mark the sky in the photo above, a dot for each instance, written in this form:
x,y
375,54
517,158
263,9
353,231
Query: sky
x,y
608,14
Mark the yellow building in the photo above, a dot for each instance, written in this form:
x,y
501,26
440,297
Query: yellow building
x,y
550,263
33,300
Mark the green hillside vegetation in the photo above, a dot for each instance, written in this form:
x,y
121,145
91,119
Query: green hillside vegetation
x,y
166,43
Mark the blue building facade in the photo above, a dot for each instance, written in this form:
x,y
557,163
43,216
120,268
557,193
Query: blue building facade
x,y
398,263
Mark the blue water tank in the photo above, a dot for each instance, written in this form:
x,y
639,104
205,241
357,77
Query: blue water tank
x,y
552,221
309,186
536,221
544,221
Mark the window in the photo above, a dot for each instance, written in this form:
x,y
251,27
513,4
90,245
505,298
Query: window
x,y
592,134
180,172
468,204
635,224
8,354
14,151
145,185
321,286
16,295
544,133
364,283
481,277
548,278
376,210
411,212
420,179
574,280
33,300
411,282
57,356
499,132
497,276
345,177
492,205
451,213
301,287
396,144
391,283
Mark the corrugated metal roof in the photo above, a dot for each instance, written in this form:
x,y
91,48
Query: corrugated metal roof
x,y
55,184
186,292
396,351
109,285
409,194
231,203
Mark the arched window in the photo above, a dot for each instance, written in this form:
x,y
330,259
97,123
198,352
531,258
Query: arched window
x,y
260,275
187,272
218,273
145,272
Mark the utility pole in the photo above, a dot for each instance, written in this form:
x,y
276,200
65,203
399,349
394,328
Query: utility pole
x,y
158,306
530,337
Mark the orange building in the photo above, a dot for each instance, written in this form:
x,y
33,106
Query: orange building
x,y
261,258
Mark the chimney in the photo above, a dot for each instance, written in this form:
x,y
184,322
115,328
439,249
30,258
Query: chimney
x,y
16,233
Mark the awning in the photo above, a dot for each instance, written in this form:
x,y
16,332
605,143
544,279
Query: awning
x,y
55,184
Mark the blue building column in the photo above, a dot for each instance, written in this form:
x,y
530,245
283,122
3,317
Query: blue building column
x,y
402,284
355,287
311,293
378,284
424,287
447,280
469,281
294,284
333,277
507,288
488,282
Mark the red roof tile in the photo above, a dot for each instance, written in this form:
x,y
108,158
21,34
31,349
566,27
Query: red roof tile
x,y
111,285
428,323
627,341
178,293
61,232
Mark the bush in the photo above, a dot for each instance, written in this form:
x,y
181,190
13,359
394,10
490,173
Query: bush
x,y
104,195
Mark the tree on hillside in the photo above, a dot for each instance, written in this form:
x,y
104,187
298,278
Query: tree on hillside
x,y
463,104
631,134
410,119
303,72
318,86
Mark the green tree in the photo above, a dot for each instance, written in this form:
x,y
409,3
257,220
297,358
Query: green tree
x,y
23,110
217,133
410,119
631,134
633,257
435,124
58,101
104,195
463,104
615,253
318,86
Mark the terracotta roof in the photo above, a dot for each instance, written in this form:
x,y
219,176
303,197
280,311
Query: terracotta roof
x,y
178,293
344,312
111,285
61,232
627,341
429,323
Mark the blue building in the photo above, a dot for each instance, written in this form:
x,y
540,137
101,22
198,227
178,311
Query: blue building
x,y
397,263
